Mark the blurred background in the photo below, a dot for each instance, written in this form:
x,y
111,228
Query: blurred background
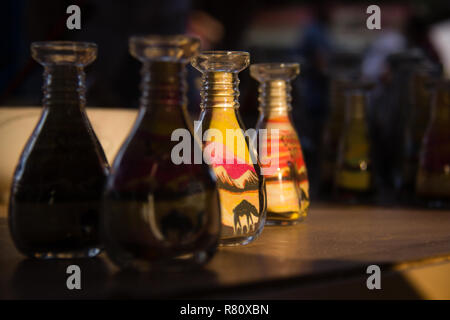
x,y
405,63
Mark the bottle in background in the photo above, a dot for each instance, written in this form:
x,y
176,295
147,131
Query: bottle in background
x,y
416,124
433,178
344,68
353,181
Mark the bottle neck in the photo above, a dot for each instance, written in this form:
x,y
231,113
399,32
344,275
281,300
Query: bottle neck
x,y
64,85
163,85
220,90
275,97
356,107
163,104
421,94
338,99
441,110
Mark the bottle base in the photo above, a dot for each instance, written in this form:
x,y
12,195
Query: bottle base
x,y
242,240
275,222
238,241
284,218
183,262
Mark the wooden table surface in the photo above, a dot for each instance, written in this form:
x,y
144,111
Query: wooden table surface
x,y
334,243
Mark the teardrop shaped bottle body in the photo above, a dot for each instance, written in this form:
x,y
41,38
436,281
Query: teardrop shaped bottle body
x,y
58,183
160,208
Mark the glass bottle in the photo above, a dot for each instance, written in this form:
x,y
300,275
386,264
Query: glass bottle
x,y
433,179
353,181
287,187
344,68
389,119
158,212
333,131
417,122
226,148
57,186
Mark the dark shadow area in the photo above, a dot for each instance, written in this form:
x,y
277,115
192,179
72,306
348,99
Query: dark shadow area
x,y
187,284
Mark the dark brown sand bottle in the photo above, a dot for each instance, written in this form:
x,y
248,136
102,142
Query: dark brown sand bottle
x,y
57,185
160,211
433,178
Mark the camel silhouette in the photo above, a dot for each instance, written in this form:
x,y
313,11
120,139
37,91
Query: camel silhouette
x,y
244,208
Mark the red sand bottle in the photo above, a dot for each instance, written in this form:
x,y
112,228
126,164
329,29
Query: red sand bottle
x,y
226,148
287,187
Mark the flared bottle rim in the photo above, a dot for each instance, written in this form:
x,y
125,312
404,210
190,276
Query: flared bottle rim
x,y
276,65
275,71
174,48
64,52
157,39
405,58
221,61
66,45
224,53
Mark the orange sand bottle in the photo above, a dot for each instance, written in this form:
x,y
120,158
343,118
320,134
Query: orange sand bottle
x,y
288,187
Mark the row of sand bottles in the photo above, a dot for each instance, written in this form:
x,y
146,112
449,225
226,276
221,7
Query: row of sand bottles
x,y
146,210
394,142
